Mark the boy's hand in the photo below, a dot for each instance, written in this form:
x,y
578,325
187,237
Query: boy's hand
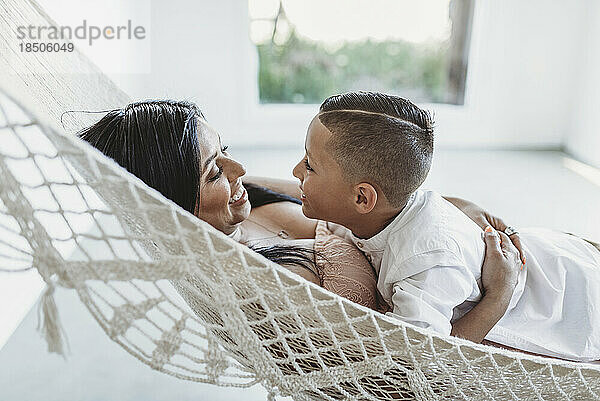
x,y
484,219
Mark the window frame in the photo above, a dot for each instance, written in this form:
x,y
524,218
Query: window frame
x,y
461,13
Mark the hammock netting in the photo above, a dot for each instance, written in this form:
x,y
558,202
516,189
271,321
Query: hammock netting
x,y
187,300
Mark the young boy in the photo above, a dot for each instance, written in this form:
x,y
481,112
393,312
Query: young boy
x,y
367,154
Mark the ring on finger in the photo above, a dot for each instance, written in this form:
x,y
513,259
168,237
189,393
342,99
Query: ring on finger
x,y
510,231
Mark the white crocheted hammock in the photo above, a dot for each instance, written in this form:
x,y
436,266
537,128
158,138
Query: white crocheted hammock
x,y
185,299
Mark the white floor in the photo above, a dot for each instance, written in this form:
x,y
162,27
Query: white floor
x,y
525,188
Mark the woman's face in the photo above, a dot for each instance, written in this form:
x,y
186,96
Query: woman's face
x,y
223,201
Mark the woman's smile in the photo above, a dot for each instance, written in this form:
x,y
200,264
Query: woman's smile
x,y
239,197
302,194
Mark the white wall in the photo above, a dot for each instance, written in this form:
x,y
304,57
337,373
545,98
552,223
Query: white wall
x,y
525,66
522,64
583,140
201,52
111,56
521,77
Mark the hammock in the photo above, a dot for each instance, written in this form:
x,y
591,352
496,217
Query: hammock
x,y
187,300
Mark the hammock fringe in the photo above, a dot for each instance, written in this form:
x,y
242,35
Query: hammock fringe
x,y
49,324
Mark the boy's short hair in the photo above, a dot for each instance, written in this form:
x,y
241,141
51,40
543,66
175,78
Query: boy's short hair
x,y
381,139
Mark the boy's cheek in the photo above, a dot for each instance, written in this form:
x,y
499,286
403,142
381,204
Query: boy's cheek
x,y
323,204
315,196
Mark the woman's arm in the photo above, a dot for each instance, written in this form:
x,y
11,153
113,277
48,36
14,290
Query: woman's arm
x,y
499,278
484,219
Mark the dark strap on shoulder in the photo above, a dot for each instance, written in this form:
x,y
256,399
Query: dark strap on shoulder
x,y
259,196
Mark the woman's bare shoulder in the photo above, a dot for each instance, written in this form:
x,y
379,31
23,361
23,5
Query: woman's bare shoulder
x,y
286,216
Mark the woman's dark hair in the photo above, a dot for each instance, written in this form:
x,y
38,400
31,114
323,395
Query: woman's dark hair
x,y
157,141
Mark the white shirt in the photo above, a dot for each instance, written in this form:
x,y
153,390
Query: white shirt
x,y
429,262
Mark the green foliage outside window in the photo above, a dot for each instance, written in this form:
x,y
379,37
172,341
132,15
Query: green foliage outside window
x,y
303,71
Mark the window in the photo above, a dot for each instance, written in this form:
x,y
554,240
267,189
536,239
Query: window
x,y
310,49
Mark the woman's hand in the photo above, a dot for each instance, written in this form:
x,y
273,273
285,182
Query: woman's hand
x,y
483,219
501,266
499,275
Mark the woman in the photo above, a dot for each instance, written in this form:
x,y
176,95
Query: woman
x,y
171,148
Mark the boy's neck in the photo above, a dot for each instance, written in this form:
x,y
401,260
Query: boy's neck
x,y
370,224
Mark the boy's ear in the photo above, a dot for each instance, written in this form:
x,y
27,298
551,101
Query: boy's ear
x,y
365,197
